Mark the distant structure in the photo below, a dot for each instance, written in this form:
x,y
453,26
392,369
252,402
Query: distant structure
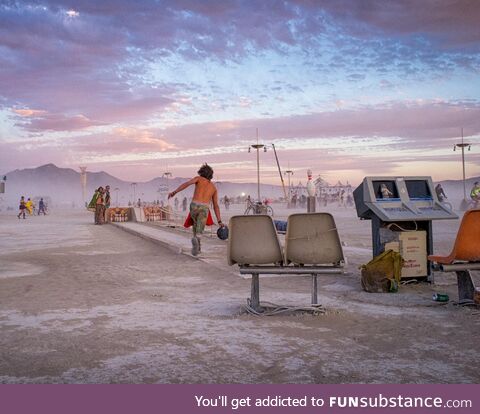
x,y
328,192
83,181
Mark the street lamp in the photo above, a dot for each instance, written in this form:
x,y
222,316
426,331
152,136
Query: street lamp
x,y
167,174
258,147
83,182
134,185
116,189
289,174
462,146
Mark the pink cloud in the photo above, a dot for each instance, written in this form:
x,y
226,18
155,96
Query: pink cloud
x,y
422,124
39,120
125,140
374,139
29,112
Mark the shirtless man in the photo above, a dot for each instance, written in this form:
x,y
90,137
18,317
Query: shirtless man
x,y
205,193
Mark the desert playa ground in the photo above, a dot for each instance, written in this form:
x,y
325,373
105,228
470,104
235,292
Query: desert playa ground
x,y
93,304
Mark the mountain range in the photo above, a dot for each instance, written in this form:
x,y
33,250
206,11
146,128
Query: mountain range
x,y
63,187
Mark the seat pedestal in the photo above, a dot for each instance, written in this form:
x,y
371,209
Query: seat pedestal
x,y
255,292
466,288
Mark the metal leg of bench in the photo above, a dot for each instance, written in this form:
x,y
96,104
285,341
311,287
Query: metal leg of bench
x,y
314,289
466,288
255,292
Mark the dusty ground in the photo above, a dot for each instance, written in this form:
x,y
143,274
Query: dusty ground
x,y
83,303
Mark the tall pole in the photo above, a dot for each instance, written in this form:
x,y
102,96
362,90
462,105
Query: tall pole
x,y
83,181
279,171
167,174
258,146
463,167
462,146
258,170
134,185
289,173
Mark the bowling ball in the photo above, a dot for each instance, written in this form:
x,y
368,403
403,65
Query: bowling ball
x,y
222,233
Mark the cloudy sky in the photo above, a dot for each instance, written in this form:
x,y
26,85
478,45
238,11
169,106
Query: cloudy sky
x,y
347,88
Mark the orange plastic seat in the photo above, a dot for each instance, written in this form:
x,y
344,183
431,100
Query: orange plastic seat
x,y
467,243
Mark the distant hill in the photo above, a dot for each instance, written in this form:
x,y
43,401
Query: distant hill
x,y
63,186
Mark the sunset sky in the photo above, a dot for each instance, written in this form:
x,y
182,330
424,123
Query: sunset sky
x,y
136,88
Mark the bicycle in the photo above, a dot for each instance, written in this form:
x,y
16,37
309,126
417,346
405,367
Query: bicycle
x,y
258,208
473,204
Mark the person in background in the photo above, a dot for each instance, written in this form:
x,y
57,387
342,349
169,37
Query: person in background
x,y
204,194
184,204
41,207
22,207
93,201
100,206
342,198
294,201
475,193
29,206
349,200
107,197
176,203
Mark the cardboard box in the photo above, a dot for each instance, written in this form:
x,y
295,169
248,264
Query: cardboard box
x,y
412,245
